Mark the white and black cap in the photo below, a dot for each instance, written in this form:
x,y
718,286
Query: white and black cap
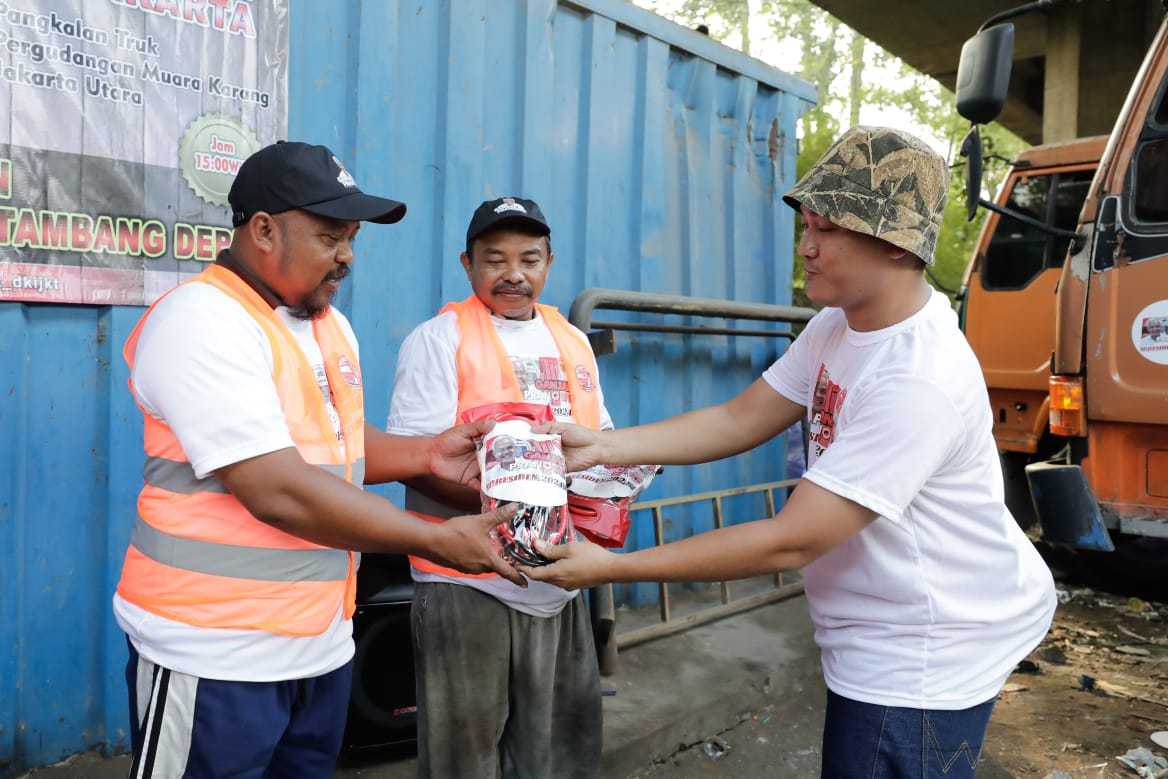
x,y
506,212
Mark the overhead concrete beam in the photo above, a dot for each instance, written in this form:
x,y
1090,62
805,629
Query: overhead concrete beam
x,y
1070,78
1018,113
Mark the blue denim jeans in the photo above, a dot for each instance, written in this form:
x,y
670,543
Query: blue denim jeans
x,y
866,741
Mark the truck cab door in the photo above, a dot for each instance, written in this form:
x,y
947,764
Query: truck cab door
x,y
1010,302
1126,331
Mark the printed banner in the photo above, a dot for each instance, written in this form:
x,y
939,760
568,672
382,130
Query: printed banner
x,y
124,124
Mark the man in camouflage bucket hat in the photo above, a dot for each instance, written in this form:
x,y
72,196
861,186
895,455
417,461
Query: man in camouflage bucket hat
x,y
880,182
924,592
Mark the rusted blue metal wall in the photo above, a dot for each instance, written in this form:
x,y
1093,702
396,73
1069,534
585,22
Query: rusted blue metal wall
x,y
658,156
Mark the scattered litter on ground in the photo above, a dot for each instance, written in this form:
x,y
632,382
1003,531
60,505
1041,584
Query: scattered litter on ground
x,y
1145,762
1131,634
1058,775
1119,691
1160,738
1028,667
1013,687
1133,650
1054,655
608,692
1090,700
715,748
1079,594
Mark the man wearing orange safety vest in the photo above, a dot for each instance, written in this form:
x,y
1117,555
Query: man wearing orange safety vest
x,y
237,590
507,677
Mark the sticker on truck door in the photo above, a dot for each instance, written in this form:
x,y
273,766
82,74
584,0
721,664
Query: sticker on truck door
x,y
1150,332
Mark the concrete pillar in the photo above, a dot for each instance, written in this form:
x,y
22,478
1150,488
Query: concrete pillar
x,y
1060,98
1113,47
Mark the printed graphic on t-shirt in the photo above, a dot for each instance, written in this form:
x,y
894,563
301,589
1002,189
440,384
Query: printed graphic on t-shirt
x,y
584,376
322,381
350,373
826,402
542,380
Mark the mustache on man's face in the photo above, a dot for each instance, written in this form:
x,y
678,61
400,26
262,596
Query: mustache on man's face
x,y
514,289
338,273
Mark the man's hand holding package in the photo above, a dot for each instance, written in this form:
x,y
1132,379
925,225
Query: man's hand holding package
x,y
582,447
574,566
452,453
466,544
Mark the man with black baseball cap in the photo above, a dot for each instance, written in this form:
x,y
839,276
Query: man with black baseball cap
x,y
237,592
506,675
285,176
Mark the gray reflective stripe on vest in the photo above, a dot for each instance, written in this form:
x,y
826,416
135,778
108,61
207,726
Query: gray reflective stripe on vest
x,y
358,471
240,562
175,476
339,471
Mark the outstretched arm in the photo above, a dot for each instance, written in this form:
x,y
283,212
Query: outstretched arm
x,y
446,457
756,415
281,489
812,522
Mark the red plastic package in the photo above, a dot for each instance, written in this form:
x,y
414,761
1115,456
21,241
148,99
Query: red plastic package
x,y
526,468
603,521
532,412
599,499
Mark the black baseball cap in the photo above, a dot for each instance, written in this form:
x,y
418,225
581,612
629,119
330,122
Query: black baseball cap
x,y
504,211
289,174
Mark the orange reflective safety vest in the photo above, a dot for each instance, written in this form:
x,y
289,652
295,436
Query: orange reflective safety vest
x,y
485,376
196,554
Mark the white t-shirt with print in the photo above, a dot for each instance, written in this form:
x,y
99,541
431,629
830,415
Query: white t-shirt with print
x,y
425,402
934,603
204,366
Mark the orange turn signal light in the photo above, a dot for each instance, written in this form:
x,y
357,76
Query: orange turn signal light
x,y
1068,409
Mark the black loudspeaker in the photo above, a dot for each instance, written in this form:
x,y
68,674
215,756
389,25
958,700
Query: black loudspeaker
x,y
383,708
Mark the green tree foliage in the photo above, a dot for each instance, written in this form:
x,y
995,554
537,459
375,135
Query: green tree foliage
x,y
723,17
853,74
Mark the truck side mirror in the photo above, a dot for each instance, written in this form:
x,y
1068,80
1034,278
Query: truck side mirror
x,y
983,75
971,151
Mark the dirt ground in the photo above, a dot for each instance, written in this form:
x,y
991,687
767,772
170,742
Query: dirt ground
x,y
1100,690
1096,688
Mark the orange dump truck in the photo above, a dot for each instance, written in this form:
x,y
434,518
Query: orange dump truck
x,y
1066,305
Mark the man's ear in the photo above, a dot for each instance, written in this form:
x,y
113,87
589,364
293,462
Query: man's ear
x,y
895,253
464,258
262,229
551,258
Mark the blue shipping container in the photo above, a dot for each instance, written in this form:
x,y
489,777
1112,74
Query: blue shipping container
x,y
659,157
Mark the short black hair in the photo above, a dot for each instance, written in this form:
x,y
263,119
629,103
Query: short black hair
x,y
520,228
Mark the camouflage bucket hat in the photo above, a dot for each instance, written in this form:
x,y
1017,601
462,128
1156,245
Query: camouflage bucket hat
x,y
880,182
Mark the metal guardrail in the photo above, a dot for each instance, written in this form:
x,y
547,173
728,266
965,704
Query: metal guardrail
x,y
728,606
604,342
